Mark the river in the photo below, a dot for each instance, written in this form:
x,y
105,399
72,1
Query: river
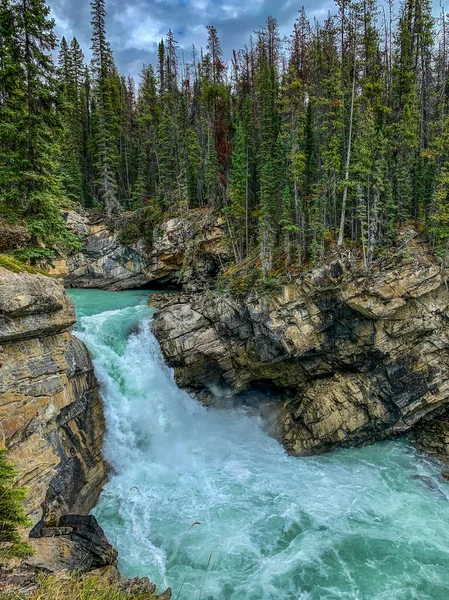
x,y
204,500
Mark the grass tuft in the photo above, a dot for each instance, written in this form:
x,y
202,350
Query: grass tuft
x,y
54,587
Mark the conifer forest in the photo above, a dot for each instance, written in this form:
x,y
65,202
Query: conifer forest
x,y
336,134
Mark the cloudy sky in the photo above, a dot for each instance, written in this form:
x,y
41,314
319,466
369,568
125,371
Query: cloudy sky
x,y
136,26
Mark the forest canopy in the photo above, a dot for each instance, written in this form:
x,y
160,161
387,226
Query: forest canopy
x,y
337,134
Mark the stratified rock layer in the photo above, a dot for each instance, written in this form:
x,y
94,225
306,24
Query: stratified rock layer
x,y
362,356
185,251
51,416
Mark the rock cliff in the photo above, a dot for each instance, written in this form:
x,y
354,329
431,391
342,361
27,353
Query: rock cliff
x,y
184,251
51,416
359,356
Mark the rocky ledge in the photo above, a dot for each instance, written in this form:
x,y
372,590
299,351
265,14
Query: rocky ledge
x,y
184,251
358,356
51,415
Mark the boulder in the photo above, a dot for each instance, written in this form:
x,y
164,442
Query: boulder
x,y
431,435
77,543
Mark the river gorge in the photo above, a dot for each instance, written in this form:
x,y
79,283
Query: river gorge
x,y
206,501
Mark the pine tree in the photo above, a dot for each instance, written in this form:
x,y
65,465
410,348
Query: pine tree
x,y
287,223
147,122
211,173
70,162
166,153
12,110
327,101
438,217
238,191
268,134
406,106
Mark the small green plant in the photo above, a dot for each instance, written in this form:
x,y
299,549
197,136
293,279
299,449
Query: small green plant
x,y
241,284
140,224
270,285
12,514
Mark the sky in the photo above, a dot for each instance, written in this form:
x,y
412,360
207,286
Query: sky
x,y
134,27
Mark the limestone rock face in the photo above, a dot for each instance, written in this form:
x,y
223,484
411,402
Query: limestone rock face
x,y
77,221
360,356
105,263
185,251
51,416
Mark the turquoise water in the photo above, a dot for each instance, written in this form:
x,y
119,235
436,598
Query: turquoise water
x,y
353,524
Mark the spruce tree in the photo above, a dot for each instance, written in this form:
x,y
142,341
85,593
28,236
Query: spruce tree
x,y
147,124
268,133
70,162
166,153
238,191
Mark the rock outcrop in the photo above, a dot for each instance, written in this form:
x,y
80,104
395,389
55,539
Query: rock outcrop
x,y
76,543
51,415
359,356
184,251
431,435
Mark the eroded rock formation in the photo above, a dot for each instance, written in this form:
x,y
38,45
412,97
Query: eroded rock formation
x,y
184,251
51,416
432,436
360,356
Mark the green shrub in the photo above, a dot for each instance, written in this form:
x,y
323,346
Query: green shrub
x,y
140,224
270,285
12,514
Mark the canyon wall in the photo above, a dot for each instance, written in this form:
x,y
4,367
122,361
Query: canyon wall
x,y
184,251
358,356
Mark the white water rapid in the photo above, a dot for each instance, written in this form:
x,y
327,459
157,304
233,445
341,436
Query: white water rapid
x,y
355,524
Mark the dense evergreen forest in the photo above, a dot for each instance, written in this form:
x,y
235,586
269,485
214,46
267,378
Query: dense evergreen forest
x,y
338,134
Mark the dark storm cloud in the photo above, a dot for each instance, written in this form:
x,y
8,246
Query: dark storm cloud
x,y
136,26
